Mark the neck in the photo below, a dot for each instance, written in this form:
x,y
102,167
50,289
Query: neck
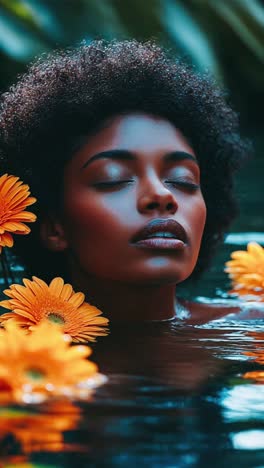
x,y
129,302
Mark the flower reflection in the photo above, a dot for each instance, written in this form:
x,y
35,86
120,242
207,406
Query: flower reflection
x,y
257,355
17,461
258,376
39,431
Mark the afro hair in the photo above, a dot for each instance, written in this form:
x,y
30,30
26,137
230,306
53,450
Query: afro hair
x,y
68,94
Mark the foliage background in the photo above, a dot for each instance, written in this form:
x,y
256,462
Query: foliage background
x,y
224,37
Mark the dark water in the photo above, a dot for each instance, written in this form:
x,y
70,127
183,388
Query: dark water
x,y
176,396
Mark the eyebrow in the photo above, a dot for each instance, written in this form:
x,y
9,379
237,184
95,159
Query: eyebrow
x,y
125,155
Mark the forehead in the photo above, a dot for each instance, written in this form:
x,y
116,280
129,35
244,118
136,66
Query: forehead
x,y
135,132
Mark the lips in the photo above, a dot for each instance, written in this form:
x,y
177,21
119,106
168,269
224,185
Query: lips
x,y
161,233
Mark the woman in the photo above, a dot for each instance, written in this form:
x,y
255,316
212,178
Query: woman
x,y
130,155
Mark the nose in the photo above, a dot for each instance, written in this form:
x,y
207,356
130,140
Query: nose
x,y
156,197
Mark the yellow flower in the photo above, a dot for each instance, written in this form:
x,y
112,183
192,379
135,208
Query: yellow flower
x,y
42,361
14,198
246,270
58,303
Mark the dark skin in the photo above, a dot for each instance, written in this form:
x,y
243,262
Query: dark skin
x,y
137,168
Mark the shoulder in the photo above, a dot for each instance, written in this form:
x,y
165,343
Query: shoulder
x,y
202,312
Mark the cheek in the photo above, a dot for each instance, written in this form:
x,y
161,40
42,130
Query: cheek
x,y
200,214
97,235
192,208
192,211
198,218
90,220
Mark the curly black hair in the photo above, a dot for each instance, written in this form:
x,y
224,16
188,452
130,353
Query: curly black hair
x,y
69,93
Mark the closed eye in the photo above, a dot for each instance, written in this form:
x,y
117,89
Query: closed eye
x,y
112,183
185,184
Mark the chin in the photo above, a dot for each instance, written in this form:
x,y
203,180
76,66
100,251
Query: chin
x,y
159,278
160,282
164,271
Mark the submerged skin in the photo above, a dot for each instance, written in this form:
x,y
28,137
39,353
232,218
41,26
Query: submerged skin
x,y
108,198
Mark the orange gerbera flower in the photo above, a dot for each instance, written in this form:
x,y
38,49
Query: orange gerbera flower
x,y
42,361
58,303
246,270
14,198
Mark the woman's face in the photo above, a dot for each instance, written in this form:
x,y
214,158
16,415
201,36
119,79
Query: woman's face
x,y
137,172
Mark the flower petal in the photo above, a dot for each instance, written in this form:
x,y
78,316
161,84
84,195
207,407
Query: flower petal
x,y
77,299
66,292
56,286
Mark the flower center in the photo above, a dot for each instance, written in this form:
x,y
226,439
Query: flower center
x,y
35,374
55,317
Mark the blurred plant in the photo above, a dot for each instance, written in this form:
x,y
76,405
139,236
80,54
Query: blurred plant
x,y
223,37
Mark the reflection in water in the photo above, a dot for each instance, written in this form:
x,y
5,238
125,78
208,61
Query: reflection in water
x,y
176,397
16,462
257,356
248,440
243,403
258,376
26,430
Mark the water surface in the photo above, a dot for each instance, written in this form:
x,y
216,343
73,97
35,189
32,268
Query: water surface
x,y
177,395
